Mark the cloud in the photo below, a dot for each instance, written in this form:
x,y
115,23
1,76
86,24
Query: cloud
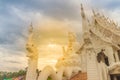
x,y
11,61
106,4
14,31
53,8
64,15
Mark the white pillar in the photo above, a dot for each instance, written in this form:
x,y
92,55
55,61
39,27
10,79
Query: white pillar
x,y
31,71
116,56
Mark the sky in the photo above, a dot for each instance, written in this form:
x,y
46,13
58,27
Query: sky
x,y
51,19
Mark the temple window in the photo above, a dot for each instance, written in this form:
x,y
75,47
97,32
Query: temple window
x,y
102,57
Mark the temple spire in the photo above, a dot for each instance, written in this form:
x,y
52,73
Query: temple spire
x,y
30,35
94,12
85,22
31,28
82,12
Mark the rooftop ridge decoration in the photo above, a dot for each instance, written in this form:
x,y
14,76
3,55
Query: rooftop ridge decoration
x,y
107,23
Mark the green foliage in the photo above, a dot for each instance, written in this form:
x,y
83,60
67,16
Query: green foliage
x,y
4,75
49,78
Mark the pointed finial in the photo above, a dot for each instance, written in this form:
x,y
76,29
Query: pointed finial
x,y
31,28
64,51
82,12
93,12
103,16
98,14
81,6
107,18
71,36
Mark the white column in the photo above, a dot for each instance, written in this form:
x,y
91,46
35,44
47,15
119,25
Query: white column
x,y
31,71
116,56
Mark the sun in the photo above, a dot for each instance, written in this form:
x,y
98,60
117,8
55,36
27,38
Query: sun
x,y
52,45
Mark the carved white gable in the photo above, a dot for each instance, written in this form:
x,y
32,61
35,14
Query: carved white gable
x,y
115,69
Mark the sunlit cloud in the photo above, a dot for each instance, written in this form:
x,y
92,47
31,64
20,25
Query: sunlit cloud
x,y
52,20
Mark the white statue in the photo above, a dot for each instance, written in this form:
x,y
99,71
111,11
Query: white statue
x,y
68,65
32,57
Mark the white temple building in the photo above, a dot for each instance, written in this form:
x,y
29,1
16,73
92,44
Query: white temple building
x,y
98,57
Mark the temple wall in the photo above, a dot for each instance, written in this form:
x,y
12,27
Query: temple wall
x,y
109,51
100,44
92,67
83,56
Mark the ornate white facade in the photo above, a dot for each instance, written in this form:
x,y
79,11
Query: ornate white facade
x,y
98,55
